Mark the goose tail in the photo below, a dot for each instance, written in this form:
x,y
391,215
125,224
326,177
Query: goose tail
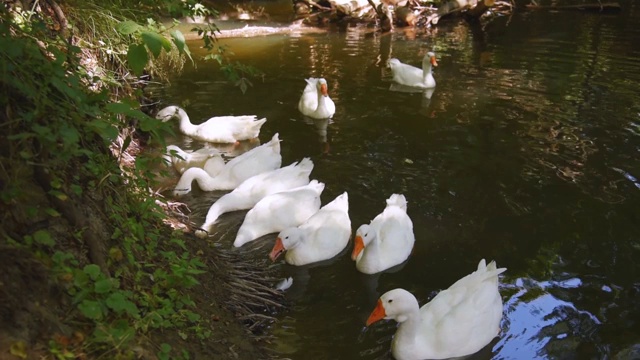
x,y
340,203
316,186
305,165
489,271
397,200
274,143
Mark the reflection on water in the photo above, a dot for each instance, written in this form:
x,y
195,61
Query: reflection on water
x,y
526,152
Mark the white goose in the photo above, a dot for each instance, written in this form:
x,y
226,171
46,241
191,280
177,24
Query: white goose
x,y
323,236
279,211
412,76
263,158
459,321
184,159
387,241
315,101
252,190
219,129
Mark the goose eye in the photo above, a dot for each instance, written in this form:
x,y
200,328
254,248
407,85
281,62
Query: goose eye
x,y
390,301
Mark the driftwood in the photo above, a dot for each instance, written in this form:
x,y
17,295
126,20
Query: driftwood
x,y
473,8
592,7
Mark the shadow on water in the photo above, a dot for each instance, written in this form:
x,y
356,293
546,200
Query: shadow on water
x,y
526,152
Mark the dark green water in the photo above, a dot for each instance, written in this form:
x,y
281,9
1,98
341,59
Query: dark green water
x,y
526,153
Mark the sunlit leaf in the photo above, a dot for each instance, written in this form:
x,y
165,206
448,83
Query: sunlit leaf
x,y
181,43
19,349
60,195
52,212
127,27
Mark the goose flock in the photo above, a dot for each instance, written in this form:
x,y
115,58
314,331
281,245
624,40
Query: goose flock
x,y
458,321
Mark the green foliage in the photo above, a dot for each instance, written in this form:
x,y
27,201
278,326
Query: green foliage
x,y
150,38
53,122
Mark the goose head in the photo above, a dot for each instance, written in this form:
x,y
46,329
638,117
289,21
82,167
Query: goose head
x,y
396,304
287,239
169,113
429,60
364,235
322,87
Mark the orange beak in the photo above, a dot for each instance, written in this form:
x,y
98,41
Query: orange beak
x,y
377,314
323,89
433,61
358,246
278,249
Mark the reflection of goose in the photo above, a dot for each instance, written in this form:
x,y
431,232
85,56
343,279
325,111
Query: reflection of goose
x,y
459,321
258,160
323,236
252,190
412,76
315,101
184,159
279,211
219,129
321,126
426,93
387,241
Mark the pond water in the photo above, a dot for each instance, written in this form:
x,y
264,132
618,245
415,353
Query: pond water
x,y
527,153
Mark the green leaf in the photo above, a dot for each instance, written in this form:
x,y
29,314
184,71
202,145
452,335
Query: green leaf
x,y
193,317
69,135
149,124
59,194
107,131
119,303
126,143
80,278
52,212
129,110
118,332
90,309
165,349
103,286
181,43
179,40
155,42
92,270
77,189
137,57
43,237
127,27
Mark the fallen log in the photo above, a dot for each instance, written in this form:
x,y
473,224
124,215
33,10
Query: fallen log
x,y
472,8
586,7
